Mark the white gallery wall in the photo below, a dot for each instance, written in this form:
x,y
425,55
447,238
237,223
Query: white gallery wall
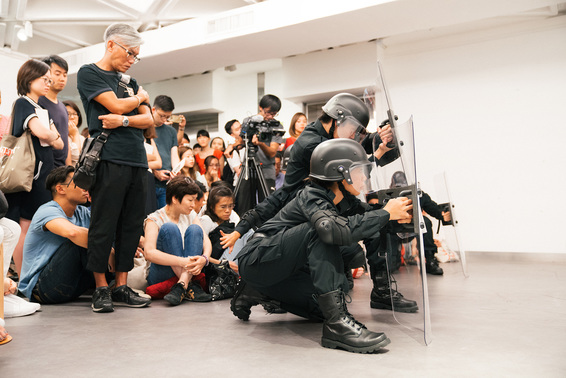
x,y
9,66
491,112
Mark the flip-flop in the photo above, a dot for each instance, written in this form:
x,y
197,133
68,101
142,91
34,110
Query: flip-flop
x,y
6,340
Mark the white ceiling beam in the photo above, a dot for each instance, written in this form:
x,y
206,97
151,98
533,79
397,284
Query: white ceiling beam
x,y
120,8
21,9
63,39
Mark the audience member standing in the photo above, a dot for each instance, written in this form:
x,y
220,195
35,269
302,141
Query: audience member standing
x,y
33,81
203,139
298,124
57,112
189,170
249,193
76,140
235,152
113,101
167,145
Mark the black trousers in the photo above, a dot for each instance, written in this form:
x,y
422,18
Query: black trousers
x,y
65,276
117,214
292,266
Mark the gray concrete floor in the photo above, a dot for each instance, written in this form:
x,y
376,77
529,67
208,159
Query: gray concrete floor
x,y
508,319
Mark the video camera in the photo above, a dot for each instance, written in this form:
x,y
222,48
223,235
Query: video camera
x,y
265,130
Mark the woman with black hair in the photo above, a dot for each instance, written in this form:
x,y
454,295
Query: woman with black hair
x,y
33,81
218,217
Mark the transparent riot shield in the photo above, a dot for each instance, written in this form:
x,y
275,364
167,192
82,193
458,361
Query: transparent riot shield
x,y
398,178
451,248
405,256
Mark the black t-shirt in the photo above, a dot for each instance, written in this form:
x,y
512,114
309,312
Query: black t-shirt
x,y
125,144
24,111
58,114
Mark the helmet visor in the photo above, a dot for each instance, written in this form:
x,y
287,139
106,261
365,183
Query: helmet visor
x,y
349,127
361,177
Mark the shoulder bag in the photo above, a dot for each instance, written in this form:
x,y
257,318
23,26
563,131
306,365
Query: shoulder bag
x,y
17,162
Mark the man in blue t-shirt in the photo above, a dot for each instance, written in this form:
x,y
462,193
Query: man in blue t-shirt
x,y
54,261
167,145
114,101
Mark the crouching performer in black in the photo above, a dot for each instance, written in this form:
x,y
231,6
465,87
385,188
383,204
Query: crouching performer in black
x,y
295,258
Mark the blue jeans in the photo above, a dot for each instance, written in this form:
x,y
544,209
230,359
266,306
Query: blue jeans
x,y
160,196
169,241
65,276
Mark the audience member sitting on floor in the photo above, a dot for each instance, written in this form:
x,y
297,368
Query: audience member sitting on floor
x,y
55,256
203,139
219,216
9,235
189,170
4,335
202,196
175,243
212,171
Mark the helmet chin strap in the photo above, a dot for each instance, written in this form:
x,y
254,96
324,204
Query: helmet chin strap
x,y
332,128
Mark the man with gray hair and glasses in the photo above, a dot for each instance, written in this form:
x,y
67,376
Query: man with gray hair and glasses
x,y
115,102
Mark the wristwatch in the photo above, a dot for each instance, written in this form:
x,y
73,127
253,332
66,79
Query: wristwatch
x,y
125,121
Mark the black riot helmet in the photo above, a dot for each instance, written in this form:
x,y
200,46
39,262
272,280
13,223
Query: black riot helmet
x,y
351,115
339,159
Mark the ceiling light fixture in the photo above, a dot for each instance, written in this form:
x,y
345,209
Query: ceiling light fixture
x,y
24,32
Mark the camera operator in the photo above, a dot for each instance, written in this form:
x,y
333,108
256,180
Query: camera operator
x,y
265,147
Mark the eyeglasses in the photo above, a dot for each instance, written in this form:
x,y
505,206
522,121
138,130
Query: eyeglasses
x,y
162,116
227,207
214,165
47,80
129,54
72,115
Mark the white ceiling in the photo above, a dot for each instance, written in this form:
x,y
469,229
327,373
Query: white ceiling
x,y
63,25
195,36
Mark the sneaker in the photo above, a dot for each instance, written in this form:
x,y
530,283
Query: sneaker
x,y
176,295
195,293
15,306
102,300
125,296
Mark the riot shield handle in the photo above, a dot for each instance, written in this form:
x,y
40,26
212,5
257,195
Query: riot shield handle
x,y
390,113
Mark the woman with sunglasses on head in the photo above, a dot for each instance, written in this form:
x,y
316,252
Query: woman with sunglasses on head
x,y
33,81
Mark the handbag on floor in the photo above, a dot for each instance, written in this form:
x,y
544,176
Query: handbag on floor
x,y
17,162
221,280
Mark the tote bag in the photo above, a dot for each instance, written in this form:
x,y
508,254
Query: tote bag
x,y
17,163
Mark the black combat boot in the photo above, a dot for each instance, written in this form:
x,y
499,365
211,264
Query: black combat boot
x,y
385,298
432,266
341,330
246,297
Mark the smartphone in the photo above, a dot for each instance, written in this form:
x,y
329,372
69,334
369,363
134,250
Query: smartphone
x,y
175,118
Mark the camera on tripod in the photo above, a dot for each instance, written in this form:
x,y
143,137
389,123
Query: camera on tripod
x,y
265,130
